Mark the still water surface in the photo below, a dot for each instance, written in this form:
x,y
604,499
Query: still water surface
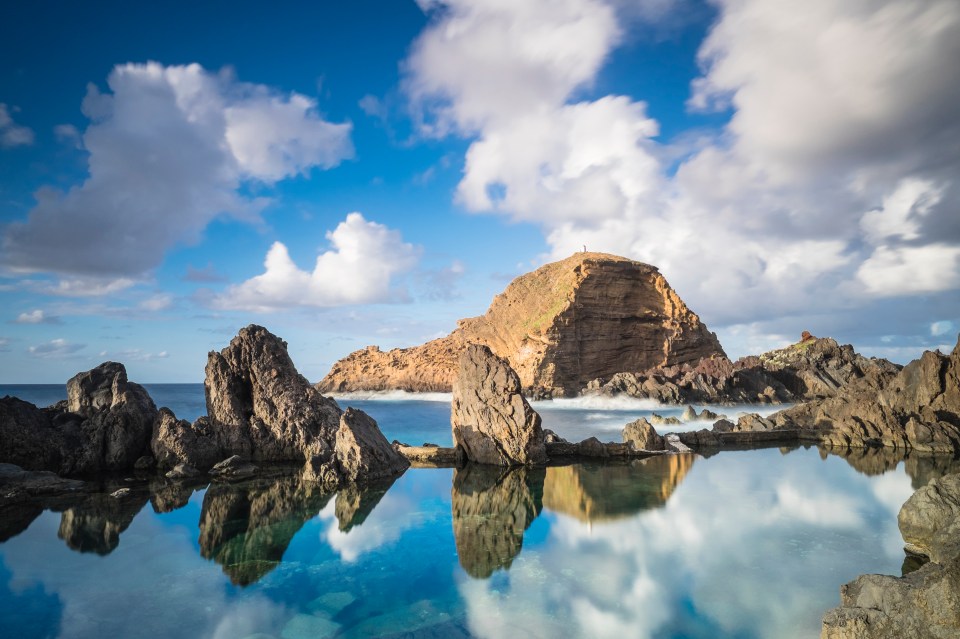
x,y
739,544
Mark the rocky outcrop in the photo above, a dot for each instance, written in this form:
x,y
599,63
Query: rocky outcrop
x,y
104,425
588,316
642,435
492,422
261,409
19,485
811,369
924,603
916,408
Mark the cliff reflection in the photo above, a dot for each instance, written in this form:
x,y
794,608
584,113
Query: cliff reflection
x,y
920,467
593,492
492,507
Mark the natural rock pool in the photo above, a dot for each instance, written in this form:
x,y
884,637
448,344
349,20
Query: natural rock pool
x,y
738,544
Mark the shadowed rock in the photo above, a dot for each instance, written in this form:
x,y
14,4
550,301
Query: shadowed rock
x,y
492,507
491,420
355,503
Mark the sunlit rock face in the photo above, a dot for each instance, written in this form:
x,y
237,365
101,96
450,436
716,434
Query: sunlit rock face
x,y
923,603
492,421
492,508
590,315
247,527
609,491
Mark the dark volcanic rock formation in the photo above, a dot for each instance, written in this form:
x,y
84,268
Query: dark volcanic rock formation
x,y
588,316
261,408
492,422
104,425
924,603
811,369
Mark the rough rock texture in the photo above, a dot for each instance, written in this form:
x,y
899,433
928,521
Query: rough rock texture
x,y
363,452
926,602
491,420
492,508
260,406
233,468
177,441
105,425
811,369
916,408
17,484
643,435
588,316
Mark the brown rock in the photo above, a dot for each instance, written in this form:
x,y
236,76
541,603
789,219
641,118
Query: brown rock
x,y
234,467
491,420
363,452
588,316
643,435
176,441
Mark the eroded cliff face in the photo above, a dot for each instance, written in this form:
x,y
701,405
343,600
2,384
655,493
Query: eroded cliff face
x,y
569,322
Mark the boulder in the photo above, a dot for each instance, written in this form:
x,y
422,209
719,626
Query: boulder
x,y
660,420
175,441
643,435
182,471
491,420
363,452
235,467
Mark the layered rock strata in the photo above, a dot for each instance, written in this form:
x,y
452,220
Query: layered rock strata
x,y
491,420
569,322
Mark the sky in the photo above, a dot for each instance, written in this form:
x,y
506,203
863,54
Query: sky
x,y
369,172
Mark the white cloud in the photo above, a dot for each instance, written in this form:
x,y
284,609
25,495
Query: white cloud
x,y
943,327
158,302
55,349
68,134
36,317
11,133
834,184
359,269
82,286
170,149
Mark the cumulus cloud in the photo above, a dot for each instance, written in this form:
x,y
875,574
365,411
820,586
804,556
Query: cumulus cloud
x,y
364,259
11,133
37,317
170,148
55,349
833,186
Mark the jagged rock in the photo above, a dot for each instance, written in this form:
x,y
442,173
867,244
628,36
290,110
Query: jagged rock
x,y
643,435
723,426
104,426
660,420
18,484
491,420
811,369
689,414
550,437
121,493
182,471
752,422
260,406
709,414
588,316
672,442
916,408
94,523
175,441
235,467
925,602
363,452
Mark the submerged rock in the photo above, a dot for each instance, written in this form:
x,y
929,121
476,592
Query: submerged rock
x,y
590,315
491,420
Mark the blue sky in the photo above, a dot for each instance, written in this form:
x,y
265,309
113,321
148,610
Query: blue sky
x,y
369,172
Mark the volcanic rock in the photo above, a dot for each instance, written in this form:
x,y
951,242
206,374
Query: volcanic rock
x,y
362,450
235,467
491,420
588,316
643,435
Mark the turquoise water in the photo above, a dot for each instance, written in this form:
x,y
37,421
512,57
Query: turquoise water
x,y
735,545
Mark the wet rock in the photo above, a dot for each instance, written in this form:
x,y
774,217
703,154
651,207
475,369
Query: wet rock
x,y
491,420
643,435
18,484
121,493
177,441
234,467
182,471
550,437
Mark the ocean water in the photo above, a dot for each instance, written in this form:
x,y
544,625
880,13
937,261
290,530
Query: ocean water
x,y
738,545
417,418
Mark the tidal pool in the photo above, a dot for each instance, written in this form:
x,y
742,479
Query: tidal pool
x,y
738,544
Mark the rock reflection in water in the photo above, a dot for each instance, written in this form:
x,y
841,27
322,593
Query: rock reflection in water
x,y
94,523
354,503
921,467
593,492
246,527
492,507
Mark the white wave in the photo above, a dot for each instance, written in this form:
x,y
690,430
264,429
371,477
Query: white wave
x,y
621,403
392,396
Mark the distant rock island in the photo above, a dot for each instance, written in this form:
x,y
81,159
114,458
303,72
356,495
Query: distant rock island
x,y
563,325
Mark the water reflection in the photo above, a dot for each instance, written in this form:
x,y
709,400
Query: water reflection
x,y
492,508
